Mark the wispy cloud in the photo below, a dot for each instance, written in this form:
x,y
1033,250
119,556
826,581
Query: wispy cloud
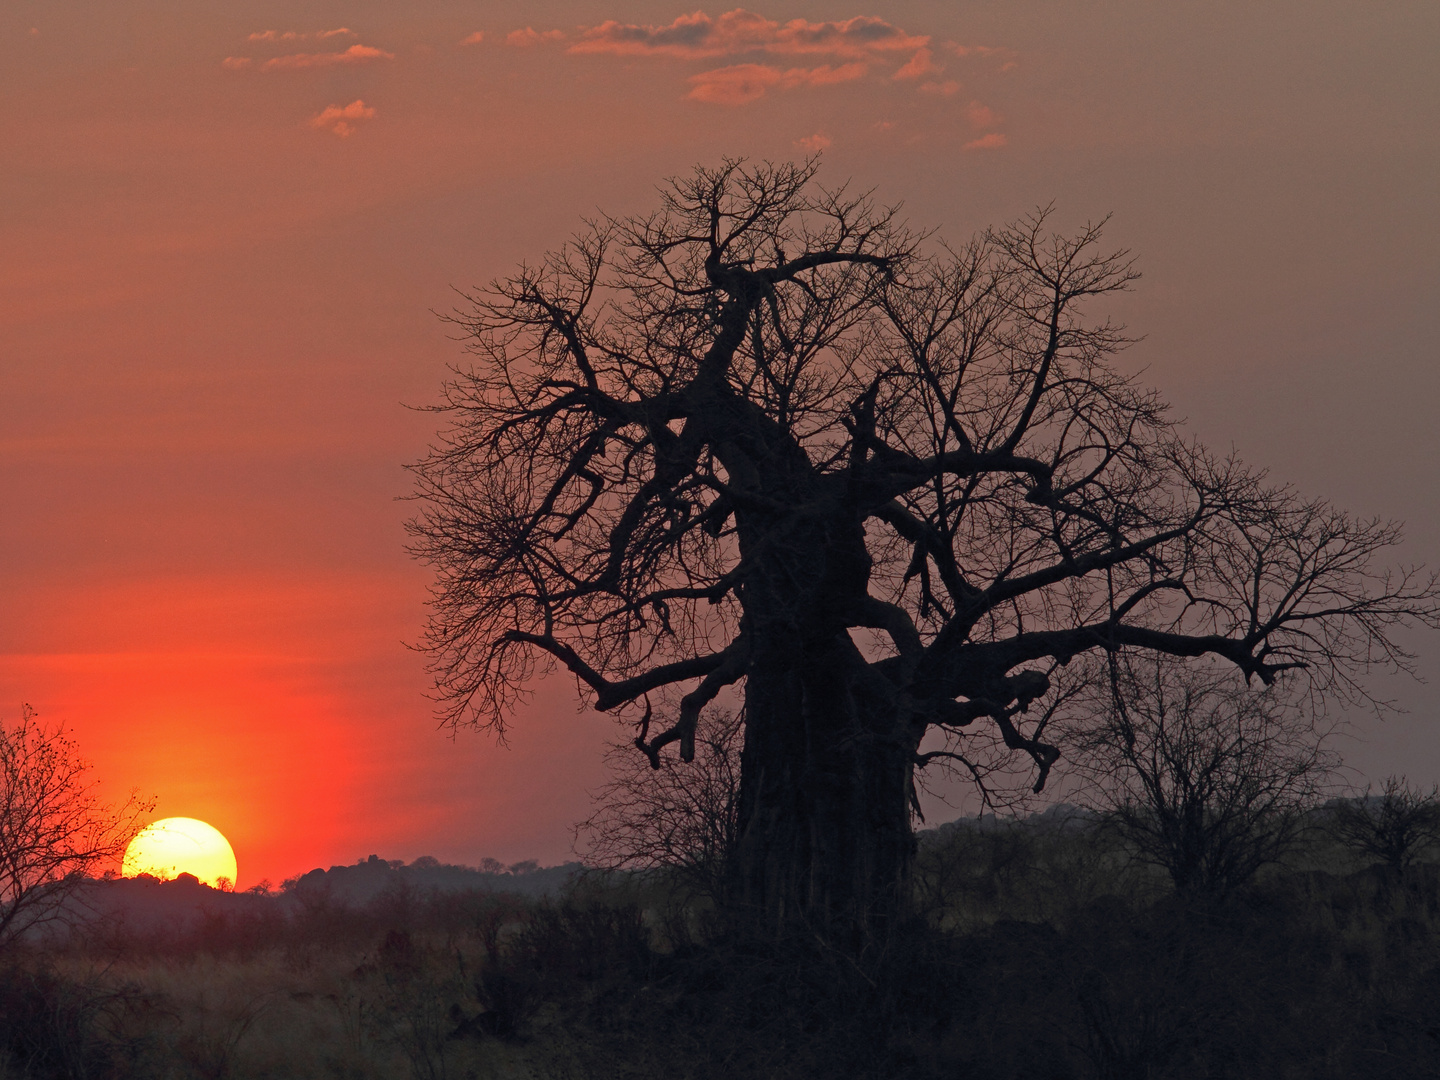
x,y
813,144
1007,58
918,66
340,118
993,141
530,36
740,84
474,39
699,36
236,63
948,88
355,54
981,116
292,35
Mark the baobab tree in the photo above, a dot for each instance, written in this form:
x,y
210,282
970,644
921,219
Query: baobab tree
x,y
768,438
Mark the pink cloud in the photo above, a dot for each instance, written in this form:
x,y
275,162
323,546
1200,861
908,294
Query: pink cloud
x,y
740,84
338,117
291,35
1007,57
813,144
236,63
698,36
355,54
474,39
993,141
823,76
981,116
918,66
529,36
982,50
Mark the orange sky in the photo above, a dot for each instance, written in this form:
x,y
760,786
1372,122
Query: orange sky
x,y
220,250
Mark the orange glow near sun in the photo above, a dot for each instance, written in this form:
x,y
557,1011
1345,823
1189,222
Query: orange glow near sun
x,y
178,845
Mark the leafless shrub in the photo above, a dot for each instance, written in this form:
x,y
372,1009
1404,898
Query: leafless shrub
x,y
678,817
1200,774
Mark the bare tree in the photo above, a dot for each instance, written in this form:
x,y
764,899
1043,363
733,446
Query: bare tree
x,y
681,818
699,448
1397,826
1200,774
54,830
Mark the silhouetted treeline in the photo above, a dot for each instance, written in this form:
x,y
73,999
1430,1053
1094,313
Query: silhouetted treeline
x,y
166,912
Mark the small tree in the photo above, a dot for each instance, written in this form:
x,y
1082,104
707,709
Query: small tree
x,y
1396,826
677,817
1200,774
54,831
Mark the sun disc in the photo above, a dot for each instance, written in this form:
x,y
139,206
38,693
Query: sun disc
x,y
179,845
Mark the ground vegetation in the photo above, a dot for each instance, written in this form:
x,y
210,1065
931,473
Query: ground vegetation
x,y
1047,948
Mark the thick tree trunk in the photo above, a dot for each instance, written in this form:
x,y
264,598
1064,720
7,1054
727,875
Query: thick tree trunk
x,y
825,843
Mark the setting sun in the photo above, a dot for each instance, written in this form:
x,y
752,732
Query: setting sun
x,y
179,845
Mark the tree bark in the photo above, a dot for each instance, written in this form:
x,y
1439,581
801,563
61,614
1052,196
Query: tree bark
x,y
825,843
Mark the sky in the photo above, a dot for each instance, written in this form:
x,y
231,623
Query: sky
x,y
226,231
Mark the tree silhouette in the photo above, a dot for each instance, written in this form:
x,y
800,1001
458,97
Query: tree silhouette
x,y
1201,775
767,437
54,831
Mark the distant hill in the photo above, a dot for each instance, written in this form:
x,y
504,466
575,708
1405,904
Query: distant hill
x,y
148,906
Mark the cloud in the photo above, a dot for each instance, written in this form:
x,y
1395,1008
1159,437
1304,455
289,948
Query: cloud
x,y
918,66
698,36
529,36
338,117
1008,57
813,144
948,88
740,84
236,63
993,141
823,76
981,116
474,39
355,54
291,35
